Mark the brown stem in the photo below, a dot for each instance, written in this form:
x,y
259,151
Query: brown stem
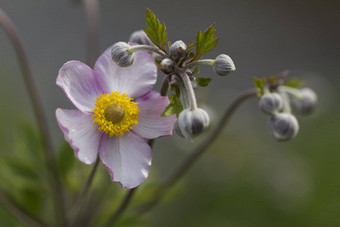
x,y
92,12
41,119
193,156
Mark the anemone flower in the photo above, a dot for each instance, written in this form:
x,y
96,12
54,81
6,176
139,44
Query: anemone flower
x,y
117,115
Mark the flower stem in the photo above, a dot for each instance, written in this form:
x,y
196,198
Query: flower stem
x,y
91,11
165,86
194,155
18,212
154,49
200,62
188,89
12,33
75,210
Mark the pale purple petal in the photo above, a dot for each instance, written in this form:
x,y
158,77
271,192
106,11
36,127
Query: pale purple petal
x,y
79,84
150,122
81,133
128,158
134,80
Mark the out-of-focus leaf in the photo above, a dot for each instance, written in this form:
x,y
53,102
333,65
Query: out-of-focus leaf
x,y
155,30
21,168
203,82
259,85
66,159
294,83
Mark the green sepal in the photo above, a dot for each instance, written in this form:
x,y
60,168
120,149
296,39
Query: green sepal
x,y
294,83
155,30
174,107
205,42
203,82
259,83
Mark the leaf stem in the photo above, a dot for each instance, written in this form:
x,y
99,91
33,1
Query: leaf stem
x,y
154,49
188,89
41,119
200,62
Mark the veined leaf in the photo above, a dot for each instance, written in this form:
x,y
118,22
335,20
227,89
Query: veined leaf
x,y
155,30
174,107
205,41
203,82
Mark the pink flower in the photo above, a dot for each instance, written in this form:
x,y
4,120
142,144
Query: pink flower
x,y
117,113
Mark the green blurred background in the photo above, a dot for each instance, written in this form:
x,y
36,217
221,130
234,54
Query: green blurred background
x,y
246,178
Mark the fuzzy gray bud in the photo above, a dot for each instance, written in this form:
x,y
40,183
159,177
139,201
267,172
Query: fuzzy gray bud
x,y
306,102
120,54
223,65
140,38
191,123
177,50
271,103
284,126
167,65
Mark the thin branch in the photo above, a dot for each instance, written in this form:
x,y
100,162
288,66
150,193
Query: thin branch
x,y
18,212
92,12
41,119
193,156
75,210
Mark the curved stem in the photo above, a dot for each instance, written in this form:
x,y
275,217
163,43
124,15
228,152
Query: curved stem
x,y
38,111
188,89
165,86
154,49
75,210
19,213
91,11
193,156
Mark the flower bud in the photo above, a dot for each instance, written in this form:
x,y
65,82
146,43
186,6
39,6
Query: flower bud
x,y
140,38
284,126
271,103
167,65
177,50
120,54
306,103
223,65
191,123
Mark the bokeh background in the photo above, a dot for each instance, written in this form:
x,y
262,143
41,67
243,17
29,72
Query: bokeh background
x,y
246,178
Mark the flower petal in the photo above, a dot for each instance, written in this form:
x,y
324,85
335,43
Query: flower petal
x,y
79,84
81,133
150,122
128,158
135,80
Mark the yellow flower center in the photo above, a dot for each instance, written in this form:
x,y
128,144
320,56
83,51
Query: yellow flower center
x,y
115,113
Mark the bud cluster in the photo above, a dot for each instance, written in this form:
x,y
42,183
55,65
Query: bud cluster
x,y
278,101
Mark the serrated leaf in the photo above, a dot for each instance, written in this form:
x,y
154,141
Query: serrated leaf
x,y
259,85
294,83
205,41
190,47
155,30
174,107
203,82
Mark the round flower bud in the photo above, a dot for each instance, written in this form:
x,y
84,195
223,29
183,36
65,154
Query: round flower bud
x,y
271,103
177,50
140,38
306,103
120,54
191,123
223,65
167,65
284,126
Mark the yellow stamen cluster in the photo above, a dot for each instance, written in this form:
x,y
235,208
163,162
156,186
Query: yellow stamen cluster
x,y
115,113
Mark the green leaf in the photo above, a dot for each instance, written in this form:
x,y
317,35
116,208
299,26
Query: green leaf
x,y
203,82
196,70
65,160
205,41
190,47
174,107
259,85
294,83
155,30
